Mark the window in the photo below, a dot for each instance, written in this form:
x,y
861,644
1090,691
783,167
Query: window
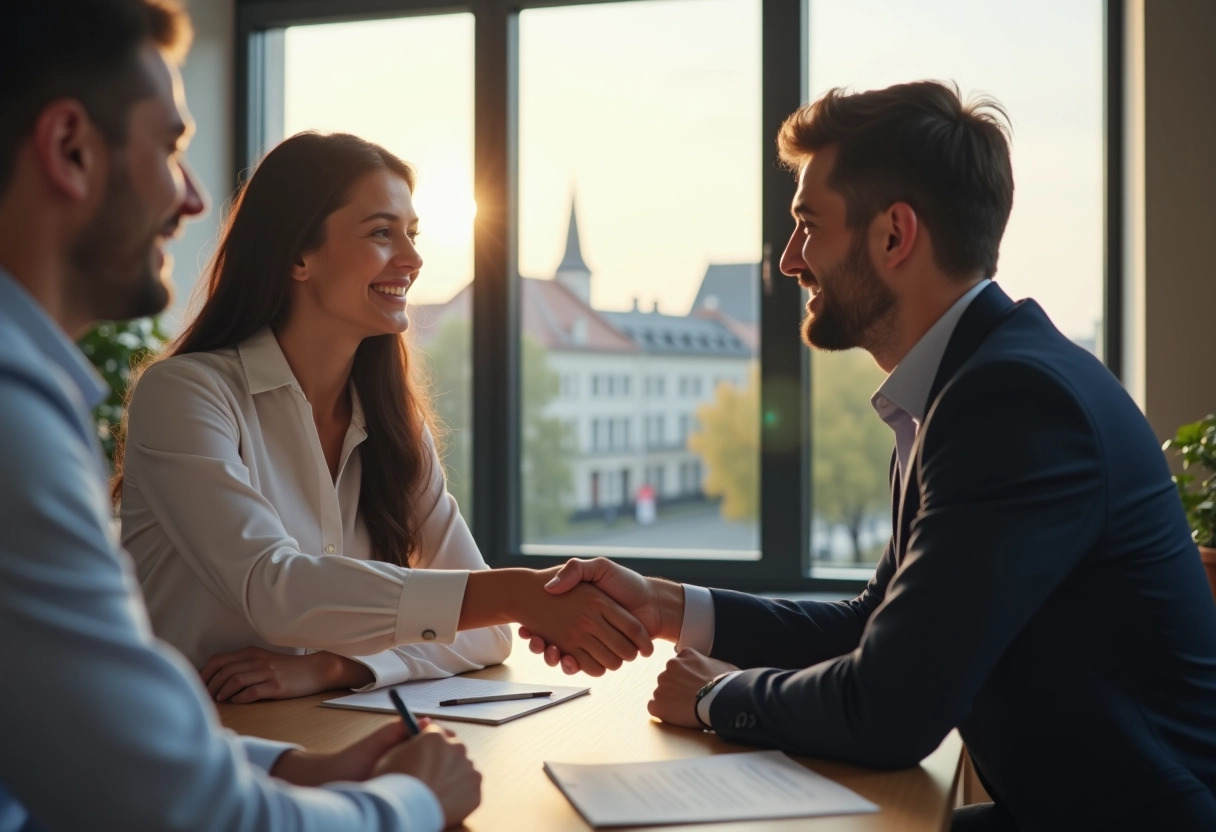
x,y
541,300
300,92
586,155
1047,70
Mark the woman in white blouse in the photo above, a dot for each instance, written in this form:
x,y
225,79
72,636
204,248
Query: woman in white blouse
x,y
281,494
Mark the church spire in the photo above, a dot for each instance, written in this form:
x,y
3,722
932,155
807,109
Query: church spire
x,y
573,260
572,272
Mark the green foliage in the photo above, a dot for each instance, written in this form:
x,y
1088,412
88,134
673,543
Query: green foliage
x,y
851,447
1196,444
850,454
728,444
545,457
115,347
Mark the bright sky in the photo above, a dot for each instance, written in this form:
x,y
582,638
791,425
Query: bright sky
x,y
652,125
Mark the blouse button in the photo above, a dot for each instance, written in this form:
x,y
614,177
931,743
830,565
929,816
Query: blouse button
x,y
428,635
329,550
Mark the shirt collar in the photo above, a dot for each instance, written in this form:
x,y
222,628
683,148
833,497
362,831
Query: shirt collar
x,y
266,368
24,313
907,387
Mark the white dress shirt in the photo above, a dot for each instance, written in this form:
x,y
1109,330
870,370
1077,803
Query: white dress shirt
x,y
103,726
901,402
241,537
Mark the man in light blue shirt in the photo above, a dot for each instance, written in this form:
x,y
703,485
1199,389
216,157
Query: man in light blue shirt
x,y
103,726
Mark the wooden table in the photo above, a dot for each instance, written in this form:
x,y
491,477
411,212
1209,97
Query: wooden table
x,y
610,725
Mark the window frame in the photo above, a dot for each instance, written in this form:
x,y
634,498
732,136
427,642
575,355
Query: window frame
x,y
785,477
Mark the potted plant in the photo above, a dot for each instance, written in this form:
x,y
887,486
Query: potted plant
x,y
1196,444
115,348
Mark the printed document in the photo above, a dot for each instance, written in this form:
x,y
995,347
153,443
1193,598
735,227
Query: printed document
x,y
750,786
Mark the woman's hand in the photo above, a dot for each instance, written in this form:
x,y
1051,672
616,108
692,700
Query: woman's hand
x,y
255,673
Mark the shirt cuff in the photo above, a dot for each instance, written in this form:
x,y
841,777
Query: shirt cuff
x,y
430,605
697,628
707,699
419,808
264,753
387,669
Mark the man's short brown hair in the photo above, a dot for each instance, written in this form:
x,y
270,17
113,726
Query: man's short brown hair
x,y
916,143
87,50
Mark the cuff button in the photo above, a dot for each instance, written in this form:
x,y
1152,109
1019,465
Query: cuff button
x,y
428,635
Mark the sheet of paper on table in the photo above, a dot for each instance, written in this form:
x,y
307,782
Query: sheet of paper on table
x,y
749,786
423,699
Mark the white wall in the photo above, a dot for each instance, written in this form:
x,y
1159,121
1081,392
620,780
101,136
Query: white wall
x,y
208,77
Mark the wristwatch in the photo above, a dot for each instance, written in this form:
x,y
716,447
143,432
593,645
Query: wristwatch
x,y
702,693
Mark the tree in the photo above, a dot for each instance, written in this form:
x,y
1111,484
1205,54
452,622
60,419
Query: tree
x,y
545,476
850,447
728,442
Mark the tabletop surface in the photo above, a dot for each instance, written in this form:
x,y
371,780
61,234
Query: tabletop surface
x,y
610,725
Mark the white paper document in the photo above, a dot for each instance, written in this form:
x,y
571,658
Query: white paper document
x,y
423,699
750,786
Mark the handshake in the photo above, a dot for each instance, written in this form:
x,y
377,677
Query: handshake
x,y
622,613
654,606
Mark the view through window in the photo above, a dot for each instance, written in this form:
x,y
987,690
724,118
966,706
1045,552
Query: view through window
x,y
1043,61
639,236
417,102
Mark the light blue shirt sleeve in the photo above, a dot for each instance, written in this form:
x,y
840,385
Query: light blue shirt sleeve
x,y
100,721
264,753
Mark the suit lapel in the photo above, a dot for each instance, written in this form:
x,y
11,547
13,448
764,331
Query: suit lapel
x,y
981,317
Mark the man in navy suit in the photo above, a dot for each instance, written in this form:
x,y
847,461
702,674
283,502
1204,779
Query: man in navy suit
x,y
1040,591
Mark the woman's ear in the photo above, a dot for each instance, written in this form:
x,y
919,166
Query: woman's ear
x,y
299,270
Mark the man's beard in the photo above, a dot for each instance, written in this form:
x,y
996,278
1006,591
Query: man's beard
x,y
854,299
115,278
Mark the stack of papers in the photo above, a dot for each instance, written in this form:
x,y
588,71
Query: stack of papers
x,y
760,785
423,699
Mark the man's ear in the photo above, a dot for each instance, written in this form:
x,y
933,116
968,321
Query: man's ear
x,y
70,149
898,227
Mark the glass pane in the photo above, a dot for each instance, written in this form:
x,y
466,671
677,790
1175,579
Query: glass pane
x,y
417,102
1046,68
639,239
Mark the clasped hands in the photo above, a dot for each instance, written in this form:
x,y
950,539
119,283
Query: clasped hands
x,y
588,615
659,606
593,631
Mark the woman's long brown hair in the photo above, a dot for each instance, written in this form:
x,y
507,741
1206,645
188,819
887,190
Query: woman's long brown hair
x,y
278,216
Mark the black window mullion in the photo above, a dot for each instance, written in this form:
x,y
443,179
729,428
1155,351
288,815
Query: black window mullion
x,y
495,290
785,499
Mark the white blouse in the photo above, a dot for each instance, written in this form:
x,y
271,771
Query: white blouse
x,y
241,537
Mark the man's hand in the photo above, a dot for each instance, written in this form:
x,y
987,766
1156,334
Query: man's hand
x,y
255,673
658,605
436,758
353,763
585,623
675,699
597,632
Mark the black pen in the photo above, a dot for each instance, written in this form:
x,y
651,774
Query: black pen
x,y
406,716
497,697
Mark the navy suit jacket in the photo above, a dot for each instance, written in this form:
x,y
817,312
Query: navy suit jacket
x,y
1040,592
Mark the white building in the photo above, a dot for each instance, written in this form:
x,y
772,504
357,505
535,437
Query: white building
x,y
630,382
